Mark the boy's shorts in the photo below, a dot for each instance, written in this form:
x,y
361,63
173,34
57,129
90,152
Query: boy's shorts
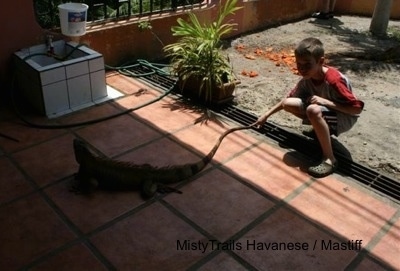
x,y
338,122
330,117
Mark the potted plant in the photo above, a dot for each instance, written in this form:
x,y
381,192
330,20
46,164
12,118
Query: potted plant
x,y
197,59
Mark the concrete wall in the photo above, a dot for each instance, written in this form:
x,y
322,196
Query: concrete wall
x,y
119,41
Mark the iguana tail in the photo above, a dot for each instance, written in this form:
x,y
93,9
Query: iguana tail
x,y
185,171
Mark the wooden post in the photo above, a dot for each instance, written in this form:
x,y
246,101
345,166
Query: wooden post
x,y
380,18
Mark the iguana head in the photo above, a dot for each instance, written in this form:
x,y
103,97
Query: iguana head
x,y
80,149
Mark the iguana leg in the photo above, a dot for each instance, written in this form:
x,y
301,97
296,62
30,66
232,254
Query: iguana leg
x,y
83,183
163,189
149,189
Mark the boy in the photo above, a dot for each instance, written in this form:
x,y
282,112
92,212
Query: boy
x,y
323,97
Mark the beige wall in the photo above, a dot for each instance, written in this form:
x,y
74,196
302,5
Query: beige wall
x,y
119,41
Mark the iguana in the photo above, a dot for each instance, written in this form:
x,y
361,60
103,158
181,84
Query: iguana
x,y
95,171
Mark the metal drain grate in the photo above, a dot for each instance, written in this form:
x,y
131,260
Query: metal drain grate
x,y
366,176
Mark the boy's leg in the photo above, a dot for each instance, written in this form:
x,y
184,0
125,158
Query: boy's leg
x,y
294,106
314,113
321,128
330,118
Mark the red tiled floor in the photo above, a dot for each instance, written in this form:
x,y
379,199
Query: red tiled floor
x,y
12,182
148,241
75,258
29,229
263,167
89,114
161,153
169,116
48,161
222,262
138,98
343,209
286,227
124,84
91,211
219,204
118,135
388,248
252,190
368,264
203,137
26,135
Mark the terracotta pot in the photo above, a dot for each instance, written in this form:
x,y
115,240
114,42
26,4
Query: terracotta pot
x,y
219,94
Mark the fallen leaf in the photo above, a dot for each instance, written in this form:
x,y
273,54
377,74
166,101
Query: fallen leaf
x,y
253,74
259,52
249,56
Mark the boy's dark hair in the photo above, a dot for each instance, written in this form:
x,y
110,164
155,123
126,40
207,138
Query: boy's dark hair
x,y
310,47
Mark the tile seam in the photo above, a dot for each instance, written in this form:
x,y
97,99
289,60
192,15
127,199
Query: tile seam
x,y
367,250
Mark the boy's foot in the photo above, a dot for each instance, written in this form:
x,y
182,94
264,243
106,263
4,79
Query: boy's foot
x,y
322,170
322,15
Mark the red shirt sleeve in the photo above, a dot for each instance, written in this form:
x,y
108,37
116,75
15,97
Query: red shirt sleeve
x,y
345,95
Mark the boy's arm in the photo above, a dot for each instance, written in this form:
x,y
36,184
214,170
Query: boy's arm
x,y
344,99
298,91
345,108
261,120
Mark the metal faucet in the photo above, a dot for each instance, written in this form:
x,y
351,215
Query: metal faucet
x,y
49,43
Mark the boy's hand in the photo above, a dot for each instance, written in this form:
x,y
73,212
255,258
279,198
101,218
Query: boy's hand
x,y
260,122
317,100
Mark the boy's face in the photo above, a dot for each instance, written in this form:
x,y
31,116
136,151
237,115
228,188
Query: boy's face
x,y
308,66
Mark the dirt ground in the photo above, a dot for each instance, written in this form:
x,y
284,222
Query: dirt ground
x,y
374,140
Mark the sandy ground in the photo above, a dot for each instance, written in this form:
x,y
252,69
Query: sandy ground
x,y
374,140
